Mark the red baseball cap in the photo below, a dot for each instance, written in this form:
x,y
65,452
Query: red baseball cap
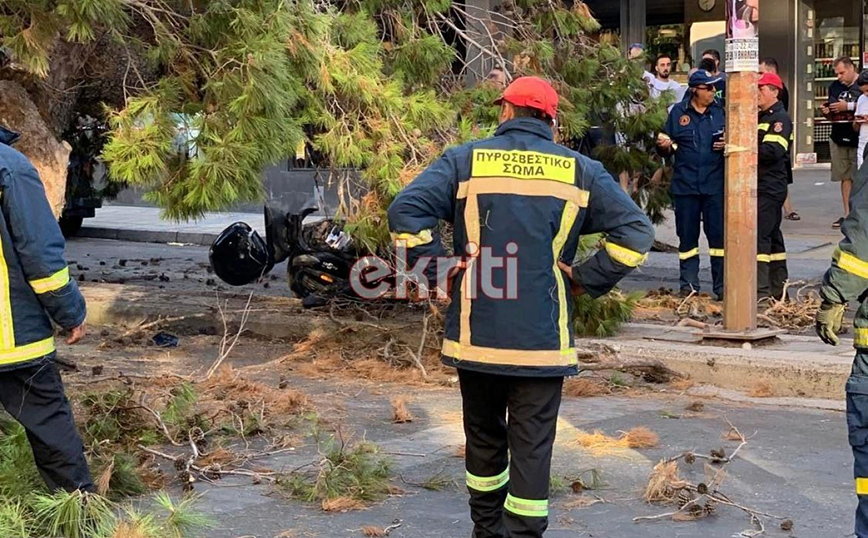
x,y
531,92
770,79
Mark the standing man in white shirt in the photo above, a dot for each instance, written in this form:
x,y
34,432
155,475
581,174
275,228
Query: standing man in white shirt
x,y
861,123
661,81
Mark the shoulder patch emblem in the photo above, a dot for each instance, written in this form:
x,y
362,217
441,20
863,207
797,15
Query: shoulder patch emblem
x,y
684,121
779,127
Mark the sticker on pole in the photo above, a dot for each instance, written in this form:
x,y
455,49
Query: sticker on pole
x,y
742,35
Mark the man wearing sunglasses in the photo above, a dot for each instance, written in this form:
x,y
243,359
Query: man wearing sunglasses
x,y
694,134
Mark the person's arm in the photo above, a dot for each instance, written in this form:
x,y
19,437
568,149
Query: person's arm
x,y
665,144
39,244
775,143
417,210
629,235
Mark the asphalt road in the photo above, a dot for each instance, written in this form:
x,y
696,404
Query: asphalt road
x,y
796,465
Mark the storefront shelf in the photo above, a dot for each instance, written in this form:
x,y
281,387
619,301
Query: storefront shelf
x,y
854,58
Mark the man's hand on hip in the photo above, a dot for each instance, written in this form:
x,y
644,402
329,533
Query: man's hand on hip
x,y
76,334
575,286
828,322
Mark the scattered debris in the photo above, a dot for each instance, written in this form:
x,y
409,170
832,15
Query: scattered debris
x,y
696,407
164,339
581,387
400,413
641,437
761,389
698,501
600,444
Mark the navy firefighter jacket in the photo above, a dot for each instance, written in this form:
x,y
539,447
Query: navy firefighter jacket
x,y
35,287
520,198
698,168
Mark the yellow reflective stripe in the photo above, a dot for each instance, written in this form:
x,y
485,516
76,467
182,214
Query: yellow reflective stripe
x,y
412,240
851,263
7,334
523,165
764,258
689,254
52,283
763,126
779,257
716,252
27,352
624,255
509,357
777,139
472,228
487,483
523,187
568,217
862,486
526,507
861,339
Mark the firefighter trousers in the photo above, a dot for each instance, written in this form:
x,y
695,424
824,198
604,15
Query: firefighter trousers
x,y
34,396
690,211
857,418
771,251
508,459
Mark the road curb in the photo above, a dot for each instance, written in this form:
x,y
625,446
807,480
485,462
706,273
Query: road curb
x,y
791,367
148,236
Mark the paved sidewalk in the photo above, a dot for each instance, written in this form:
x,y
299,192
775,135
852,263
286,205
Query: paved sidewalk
x,y
144,225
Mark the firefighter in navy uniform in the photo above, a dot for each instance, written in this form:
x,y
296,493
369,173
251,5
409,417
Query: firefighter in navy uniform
x,y
35,288
845,281
774,169
694,133
520,195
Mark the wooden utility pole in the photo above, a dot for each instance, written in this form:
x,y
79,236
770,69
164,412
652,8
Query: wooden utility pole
x,y
740,209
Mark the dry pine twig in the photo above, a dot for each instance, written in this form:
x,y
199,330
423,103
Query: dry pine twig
x,y
666,486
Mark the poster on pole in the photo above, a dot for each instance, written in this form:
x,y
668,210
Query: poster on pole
x,y
742,35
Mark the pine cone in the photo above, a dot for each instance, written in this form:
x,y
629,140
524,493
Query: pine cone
x,y
684,497
787,525
690,458
180,463
702,489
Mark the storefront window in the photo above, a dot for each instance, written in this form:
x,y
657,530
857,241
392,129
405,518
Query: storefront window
x,y
838,33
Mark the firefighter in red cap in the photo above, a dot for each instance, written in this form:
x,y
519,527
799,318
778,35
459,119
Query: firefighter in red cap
x,y
518,203
774,170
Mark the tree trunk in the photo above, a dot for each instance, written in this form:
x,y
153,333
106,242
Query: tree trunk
x,y
38,142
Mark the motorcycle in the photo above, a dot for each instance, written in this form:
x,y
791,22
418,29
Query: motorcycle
x,y
320,255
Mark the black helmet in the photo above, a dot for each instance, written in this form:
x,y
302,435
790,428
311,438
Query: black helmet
x,y
863,78
239,255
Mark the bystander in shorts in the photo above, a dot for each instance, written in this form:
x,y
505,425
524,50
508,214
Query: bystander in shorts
x,y
843,162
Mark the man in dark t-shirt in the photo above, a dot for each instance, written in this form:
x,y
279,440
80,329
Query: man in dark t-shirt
x,y
840,109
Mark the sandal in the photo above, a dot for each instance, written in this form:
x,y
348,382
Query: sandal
x,y
793,216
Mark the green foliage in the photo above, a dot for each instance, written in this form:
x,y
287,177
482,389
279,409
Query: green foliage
x,y
14,521
73,515
603,316
114,417
437,482
18,474
180,407
357,472
125,480
182,519
375,85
